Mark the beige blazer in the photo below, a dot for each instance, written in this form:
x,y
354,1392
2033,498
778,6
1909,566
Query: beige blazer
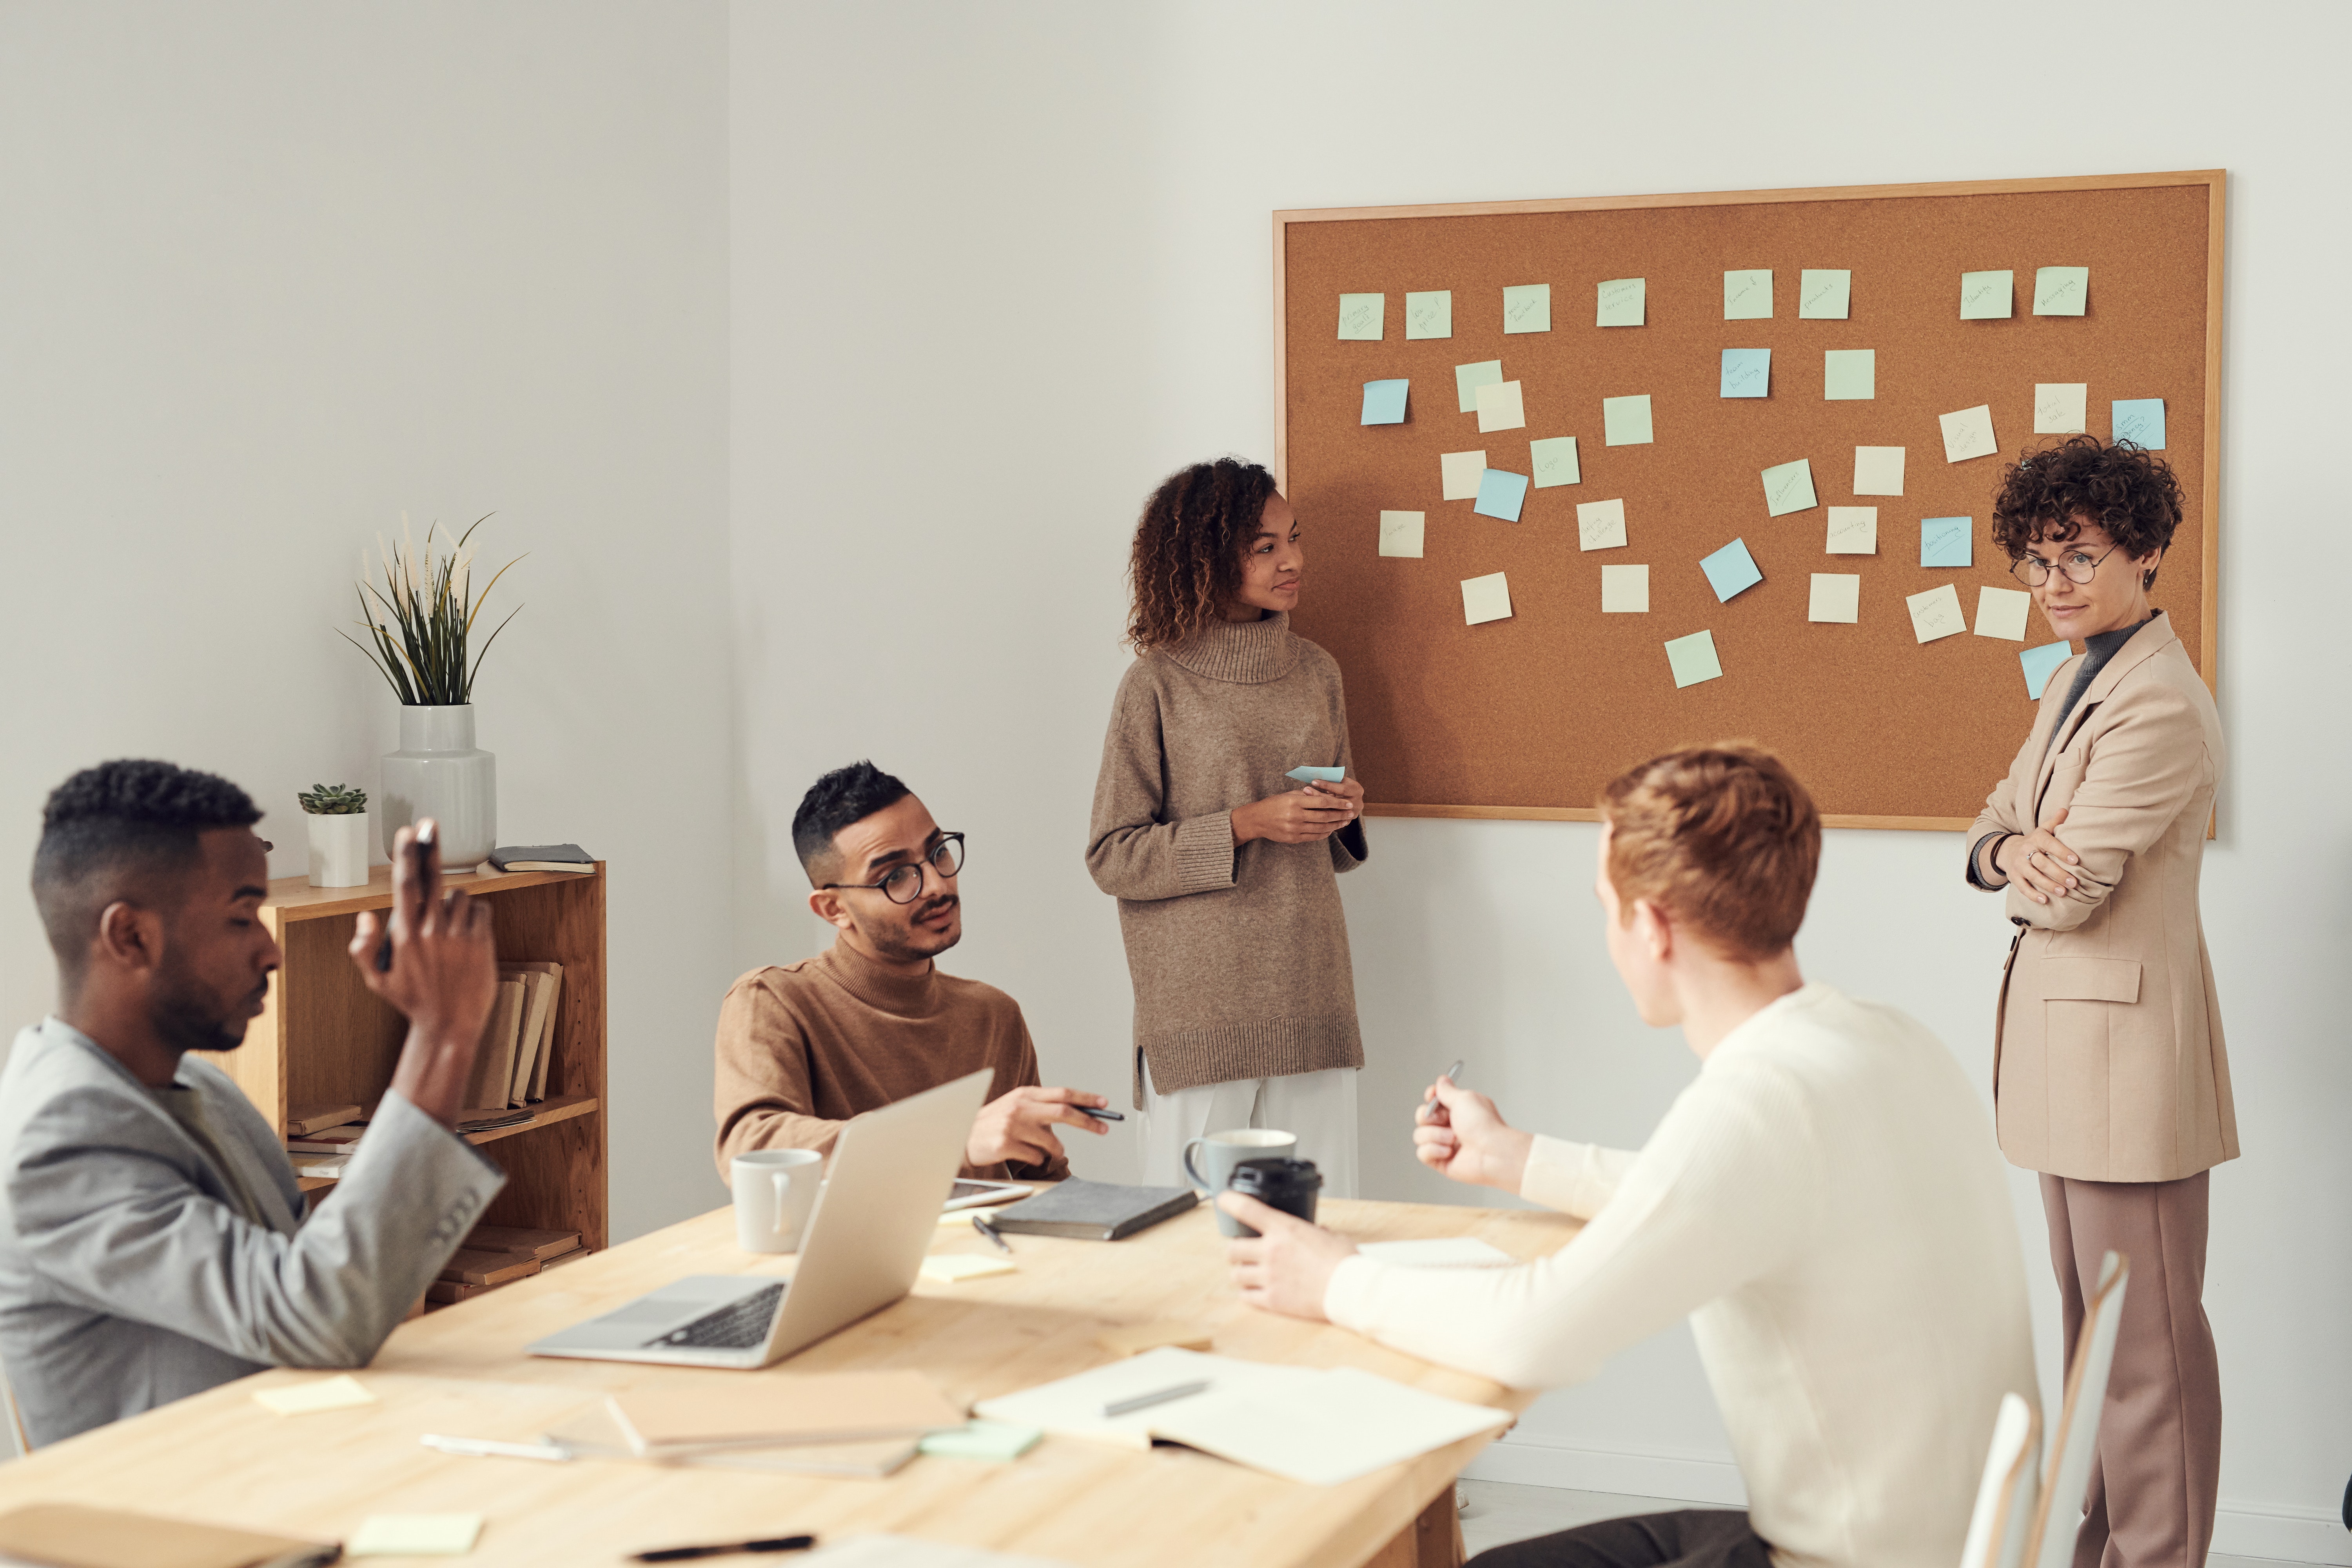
x,y
2107,1058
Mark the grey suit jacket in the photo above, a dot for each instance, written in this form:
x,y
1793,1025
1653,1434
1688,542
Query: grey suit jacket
x,y
128,1278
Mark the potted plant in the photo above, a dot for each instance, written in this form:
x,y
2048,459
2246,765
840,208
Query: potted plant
x,y
337,817
438,772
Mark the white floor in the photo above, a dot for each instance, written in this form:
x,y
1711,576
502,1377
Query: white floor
x,y
1494,1512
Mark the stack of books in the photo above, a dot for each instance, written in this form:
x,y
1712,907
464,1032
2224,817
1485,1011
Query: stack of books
x,y
517,1043
495,1255
320,1138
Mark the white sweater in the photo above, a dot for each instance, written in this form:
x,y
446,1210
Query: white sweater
x,y
1827,1204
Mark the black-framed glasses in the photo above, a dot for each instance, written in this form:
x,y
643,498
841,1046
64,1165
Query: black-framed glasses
x,y
2077,566
904,885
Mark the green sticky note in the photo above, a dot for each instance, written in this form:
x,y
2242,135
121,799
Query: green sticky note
x,y
1625,421
1469,378
998,1440
1692,658
1985,296
1849,373
1789,487
1527,308
414,1535
1361,317
1748,295
1555,462
1623,302
1429,315
1823,294
2061,291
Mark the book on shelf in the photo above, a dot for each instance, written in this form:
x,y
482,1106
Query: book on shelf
x,y
305,1119
539,1243
469,1267
321,1167
494,1063
544,983
449,1292
543,858
343,1140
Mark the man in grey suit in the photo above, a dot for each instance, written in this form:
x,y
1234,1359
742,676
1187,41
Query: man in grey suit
x,y
152,1241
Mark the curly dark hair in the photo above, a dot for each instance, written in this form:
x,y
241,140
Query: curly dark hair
x,y
1187,561
2124,487
844,796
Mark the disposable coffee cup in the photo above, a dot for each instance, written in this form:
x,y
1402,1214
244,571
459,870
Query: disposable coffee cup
x,y
1219,1153
775,1190
1289,1186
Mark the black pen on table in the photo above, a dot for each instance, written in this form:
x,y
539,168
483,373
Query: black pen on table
x,y
979,1223
687,1554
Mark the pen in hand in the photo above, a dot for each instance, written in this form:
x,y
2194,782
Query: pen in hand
x,y
1431,1113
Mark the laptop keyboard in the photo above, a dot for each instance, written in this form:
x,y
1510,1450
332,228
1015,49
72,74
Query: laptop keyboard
x,y
739,1326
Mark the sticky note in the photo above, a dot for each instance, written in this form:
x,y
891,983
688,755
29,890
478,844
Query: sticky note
x,y
1401,533
2061,407
1947,541
1499,407
1486,598
1968,433
1747,373
1624,590
1600,525
2000,613
1747,296
1789,487
1555,462
1316,775
414,1535
1361,316
1837,596
1003,1441
1985,296
2061,291
1623,302
1731,570
1469,378
1824,295
1853,530
1527,308
1625,421
1460,473
1936,613
1692,658
1501,493
1429,315
2139,420
1384,402
339,1393
952,1267
2041,663
1878,470
1848,375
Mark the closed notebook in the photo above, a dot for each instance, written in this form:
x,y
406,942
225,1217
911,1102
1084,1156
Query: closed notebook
x,y
1093,1211
543,857
593,1434
809,1408
67,1535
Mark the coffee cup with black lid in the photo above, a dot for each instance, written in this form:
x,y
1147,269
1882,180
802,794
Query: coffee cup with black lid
x,y
1289,1186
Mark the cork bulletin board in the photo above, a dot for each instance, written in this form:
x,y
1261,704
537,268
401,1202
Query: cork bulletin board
x,y
1528,715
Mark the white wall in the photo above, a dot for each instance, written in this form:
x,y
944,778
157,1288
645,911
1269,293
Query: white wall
x,y
272,273
996,270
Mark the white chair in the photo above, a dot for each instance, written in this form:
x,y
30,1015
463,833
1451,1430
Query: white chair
x,y
2005,1499
2058,1517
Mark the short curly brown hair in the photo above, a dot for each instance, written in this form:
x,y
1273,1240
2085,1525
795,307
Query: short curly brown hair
x,y
1186,564
2125,489
1723,837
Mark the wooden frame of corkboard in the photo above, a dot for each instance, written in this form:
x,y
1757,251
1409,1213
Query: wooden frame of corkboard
x,y
1527,717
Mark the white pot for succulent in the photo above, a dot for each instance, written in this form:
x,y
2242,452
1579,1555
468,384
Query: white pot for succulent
x,y
338,850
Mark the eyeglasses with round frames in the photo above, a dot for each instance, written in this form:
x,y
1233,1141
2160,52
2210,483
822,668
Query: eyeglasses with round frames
x,y
2077,567
904,885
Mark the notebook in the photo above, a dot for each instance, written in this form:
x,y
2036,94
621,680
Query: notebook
x,y
543,857
811,1407
592,1434
67,1535
1093,1211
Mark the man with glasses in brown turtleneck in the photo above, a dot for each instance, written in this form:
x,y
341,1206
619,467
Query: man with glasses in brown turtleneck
x,y
803,1048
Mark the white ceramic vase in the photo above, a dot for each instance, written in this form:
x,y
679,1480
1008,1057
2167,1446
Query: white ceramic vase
x,y
440,772
338,850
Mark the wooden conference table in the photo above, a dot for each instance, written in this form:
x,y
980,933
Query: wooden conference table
x,y
220,1456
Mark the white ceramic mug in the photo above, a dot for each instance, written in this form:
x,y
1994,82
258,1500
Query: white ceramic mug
x,y
775,1190
1220,1152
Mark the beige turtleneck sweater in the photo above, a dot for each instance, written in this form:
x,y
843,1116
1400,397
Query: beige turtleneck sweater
x,y
1238,953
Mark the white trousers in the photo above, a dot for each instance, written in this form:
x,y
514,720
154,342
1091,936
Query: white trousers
x,y
1318,1107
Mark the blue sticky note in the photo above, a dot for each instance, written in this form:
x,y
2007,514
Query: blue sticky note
x,y
1501,494
1945,541
1747,373
2141,420
1384,402
1309,775
2041,663
1731,570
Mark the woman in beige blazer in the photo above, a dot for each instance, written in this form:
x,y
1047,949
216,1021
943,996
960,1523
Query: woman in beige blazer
x,y
2109,1076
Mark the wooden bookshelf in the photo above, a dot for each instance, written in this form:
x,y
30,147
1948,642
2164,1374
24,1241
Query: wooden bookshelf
x,y
324,1039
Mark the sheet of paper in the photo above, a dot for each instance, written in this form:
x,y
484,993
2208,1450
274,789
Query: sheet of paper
x,y
909,1551
1748,295
2139,420
2000,613
1853,530
1731,570
1985,296
2061,291
1824,294
1439,1251
1948,540
951,1267
1501,493
1625,421
999,1441
1878,470
1968,433
1747,373
341,1391
1527,308
2061,407
1600,525
1361,317
1849,374
1469,378
1692,659
1430,314
1625,302
1789,487
1500,408
1401,533
2041,663
1350,1424
1837,596
1624,590
1460,473
414,1535
1384,402
1937,612
1555,462
1073,1407
1486,598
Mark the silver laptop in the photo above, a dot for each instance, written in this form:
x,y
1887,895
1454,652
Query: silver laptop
x,y
873,1223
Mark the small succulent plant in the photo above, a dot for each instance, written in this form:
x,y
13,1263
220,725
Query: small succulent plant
x,y
333,800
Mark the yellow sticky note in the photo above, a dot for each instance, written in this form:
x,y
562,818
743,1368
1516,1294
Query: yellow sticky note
x,y
414,1535
1624,590
1853,530
1362,316
1500,408
1461,472
1837,596
1878,470
1527,308
1789,487
1748,295
1625,421
1600,525
341,1391
2061,291
1692,659
951,1268
1429,315
1625,302
1824,294
2061,407
1936,613
1985,296
1401,533
1555,463
2000,613
1486,598
1968,433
